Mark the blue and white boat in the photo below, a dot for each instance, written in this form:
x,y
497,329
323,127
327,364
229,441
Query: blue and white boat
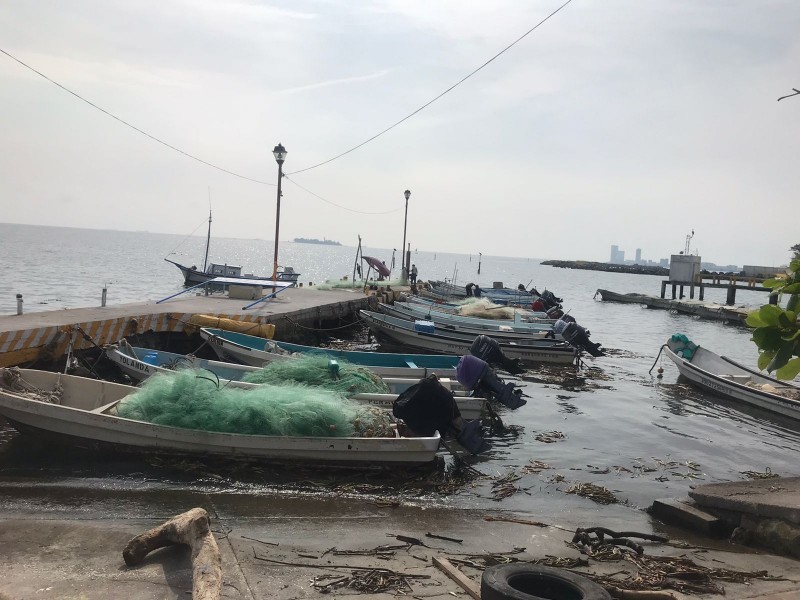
x,y
256,351
142,363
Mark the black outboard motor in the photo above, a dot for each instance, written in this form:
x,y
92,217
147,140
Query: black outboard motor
x,y
477,376
576,335
550,300
428,406
488,349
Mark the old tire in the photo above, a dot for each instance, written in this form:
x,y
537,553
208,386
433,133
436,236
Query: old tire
x,y
528,581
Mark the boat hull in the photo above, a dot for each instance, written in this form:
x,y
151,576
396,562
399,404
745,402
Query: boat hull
x,y
86,420
432,342
194,277
230,376
731,385
227,349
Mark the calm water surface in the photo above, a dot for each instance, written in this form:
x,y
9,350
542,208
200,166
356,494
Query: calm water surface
x,y
639,436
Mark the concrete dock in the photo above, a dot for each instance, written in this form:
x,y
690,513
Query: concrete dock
x,y
68,545
36,335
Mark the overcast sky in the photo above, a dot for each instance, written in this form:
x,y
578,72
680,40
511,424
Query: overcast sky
x,y
623,122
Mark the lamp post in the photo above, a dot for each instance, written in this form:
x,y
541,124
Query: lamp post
x,y
280,155
405,264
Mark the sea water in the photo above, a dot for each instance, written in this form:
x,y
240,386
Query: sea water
x,y
640,436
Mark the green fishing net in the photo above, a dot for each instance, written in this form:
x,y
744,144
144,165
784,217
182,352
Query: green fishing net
x,y
191,399
317,371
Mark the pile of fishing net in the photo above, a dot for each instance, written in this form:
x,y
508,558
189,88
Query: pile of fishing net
x,y
317,370
486,309
190,399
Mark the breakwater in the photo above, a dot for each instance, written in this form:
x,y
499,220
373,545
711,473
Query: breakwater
x,y
612,268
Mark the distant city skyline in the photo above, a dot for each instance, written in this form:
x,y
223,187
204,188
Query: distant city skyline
x,y
617,257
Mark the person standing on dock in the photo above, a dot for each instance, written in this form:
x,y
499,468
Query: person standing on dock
x,y
413,274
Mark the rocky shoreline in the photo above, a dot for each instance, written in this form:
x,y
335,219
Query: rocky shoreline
x,y
613,268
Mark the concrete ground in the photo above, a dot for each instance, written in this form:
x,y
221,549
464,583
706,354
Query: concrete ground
x,y
294,299
66,543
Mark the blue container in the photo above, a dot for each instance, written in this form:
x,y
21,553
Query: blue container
x,y
424,326
151,358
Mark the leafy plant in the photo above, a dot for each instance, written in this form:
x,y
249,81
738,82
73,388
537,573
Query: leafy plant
x,y
777,333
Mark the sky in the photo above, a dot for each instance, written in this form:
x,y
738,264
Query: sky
x,y
619,122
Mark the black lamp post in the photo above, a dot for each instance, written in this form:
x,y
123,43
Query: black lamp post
x,y
406,264
280,155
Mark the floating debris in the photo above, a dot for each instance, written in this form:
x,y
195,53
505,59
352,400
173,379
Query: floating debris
x,y
550,437
768,474
503,486
557,478
597,493
535,467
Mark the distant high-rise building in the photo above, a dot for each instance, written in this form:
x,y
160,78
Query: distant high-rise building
x,y
638,256
617,255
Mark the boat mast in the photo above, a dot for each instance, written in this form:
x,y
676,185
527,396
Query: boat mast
x,y
208,236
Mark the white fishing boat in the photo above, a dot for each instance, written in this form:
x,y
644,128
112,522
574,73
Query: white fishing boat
x,y
728,379
474,325
424,336
85,410
142,363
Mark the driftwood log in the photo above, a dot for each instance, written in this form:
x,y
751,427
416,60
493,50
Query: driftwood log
x,y
191,528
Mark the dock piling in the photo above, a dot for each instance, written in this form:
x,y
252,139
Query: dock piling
x,y
19,304
103,297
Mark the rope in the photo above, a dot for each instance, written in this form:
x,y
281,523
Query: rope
x,y
296,324
657,357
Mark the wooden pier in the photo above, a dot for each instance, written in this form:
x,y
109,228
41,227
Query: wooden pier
x,y
297,313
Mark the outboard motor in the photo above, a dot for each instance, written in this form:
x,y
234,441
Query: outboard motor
x,y
477,376
487,349
428,406
576,335
555,312
550,300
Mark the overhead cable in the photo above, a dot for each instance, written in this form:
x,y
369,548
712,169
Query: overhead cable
x,y
427,104
152,137
361,212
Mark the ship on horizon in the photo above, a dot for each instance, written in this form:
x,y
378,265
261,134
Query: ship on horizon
x,y
323,241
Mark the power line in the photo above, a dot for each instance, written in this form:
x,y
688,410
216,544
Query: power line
x,y
152,137
427,104
361,212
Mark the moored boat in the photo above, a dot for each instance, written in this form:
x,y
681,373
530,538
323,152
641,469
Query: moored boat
x,y
457,322
87,410
723,377
255,351
410,334
153,362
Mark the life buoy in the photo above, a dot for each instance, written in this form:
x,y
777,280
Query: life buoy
x,y
529,581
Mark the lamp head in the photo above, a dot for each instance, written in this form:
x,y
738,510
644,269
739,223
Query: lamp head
x,y
407,194
280,153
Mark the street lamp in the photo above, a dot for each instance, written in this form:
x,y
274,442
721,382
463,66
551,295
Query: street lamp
x,y
406,263
280,155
